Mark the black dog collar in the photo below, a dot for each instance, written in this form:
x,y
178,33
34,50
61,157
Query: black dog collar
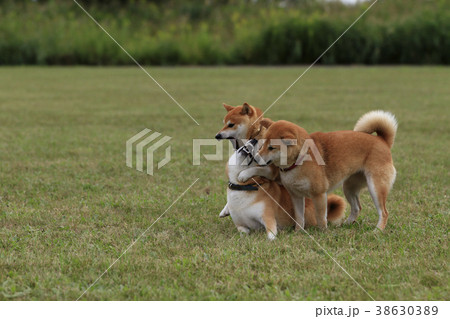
x,y
237,187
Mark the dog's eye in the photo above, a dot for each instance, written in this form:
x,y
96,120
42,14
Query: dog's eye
x,y
271,148
231,125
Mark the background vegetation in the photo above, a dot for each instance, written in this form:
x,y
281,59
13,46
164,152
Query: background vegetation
x,y
224,32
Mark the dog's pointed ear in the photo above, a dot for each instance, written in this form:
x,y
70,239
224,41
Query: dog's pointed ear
x,y
228,107
246,109
266,122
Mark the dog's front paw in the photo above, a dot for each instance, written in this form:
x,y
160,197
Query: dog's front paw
x,y
243,177
349,221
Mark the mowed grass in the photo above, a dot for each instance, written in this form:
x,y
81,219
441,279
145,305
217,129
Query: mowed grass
x,y
69,205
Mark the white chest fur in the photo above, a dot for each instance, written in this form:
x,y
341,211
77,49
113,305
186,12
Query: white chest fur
x,y
244,210
295,185
242,205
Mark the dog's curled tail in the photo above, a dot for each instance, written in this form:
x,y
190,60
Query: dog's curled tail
x,y
336,209
382,122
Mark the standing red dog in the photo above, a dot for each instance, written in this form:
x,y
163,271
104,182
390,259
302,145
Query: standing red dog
x,y
355,158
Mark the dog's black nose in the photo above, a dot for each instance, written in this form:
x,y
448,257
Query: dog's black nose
x,y
253,141
219,136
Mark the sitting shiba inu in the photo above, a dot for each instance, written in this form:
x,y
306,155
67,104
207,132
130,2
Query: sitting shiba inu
x,y
260,202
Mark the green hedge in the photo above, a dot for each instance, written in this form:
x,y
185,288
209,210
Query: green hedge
x,y
422,39
50,34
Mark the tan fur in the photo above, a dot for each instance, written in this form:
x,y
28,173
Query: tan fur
x,y
354,158
274,216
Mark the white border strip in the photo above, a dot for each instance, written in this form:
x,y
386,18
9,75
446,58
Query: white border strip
x,y
222,310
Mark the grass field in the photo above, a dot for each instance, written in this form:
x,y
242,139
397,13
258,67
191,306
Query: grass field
x,y
69,205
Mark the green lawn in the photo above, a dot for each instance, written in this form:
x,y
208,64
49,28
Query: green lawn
x,y
69,205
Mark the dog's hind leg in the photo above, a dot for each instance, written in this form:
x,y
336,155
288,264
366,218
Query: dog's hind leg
x,y
352,187
243,229
379,187
270,223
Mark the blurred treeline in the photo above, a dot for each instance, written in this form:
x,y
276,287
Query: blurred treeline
x,y
211,32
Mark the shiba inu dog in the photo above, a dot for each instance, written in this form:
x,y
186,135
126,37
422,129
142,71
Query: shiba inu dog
x,y
355,158
261,202
242,123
